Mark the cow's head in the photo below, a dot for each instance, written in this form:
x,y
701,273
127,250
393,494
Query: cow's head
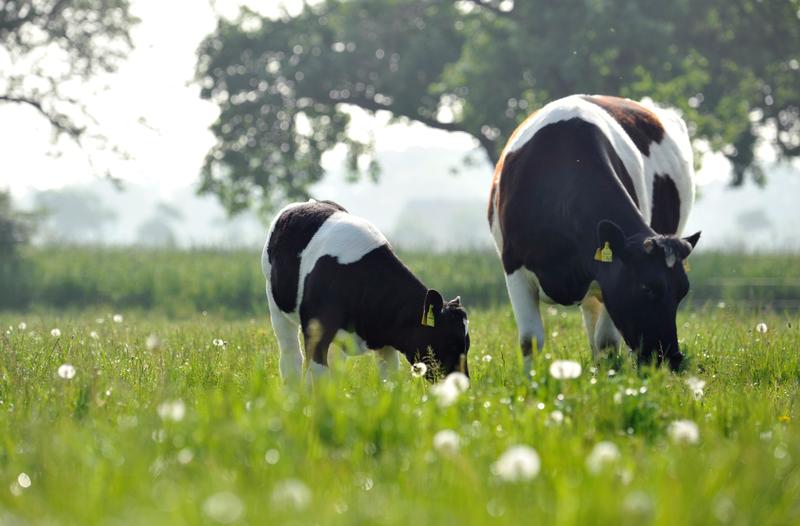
x,y
642,285
445,331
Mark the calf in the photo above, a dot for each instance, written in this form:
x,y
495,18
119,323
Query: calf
x,y
328,270
586,205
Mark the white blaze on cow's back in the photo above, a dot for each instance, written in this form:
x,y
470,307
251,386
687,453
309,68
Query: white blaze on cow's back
x,y
343,236
575,106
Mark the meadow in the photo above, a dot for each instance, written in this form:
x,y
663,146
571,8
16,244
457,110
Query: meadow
x,y
126,414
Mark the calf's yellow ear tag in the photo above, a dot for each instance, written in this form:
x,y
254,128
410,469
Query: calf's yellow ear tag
x,y
427,317
604,254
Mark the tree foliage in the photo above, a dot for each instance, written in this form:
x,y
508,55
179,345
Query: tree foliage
x,y
48,47
284,84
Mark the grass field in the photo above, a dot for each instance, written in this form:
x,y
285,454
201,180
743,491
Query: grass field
x,y
158,425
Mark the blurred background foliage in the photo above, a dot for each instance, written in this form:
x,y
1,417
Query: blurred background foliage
x,y
284,85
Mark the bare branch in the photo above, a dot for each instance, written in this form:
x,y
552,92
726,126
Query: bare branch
x,y
60,122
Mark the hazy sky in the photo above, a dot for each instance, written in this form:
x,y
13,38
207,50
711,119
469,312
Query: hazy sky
x,y
153,110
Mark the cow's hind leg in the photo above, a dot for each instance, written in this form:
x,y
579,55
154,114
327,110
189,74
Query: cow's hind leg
x,y
317,338
523,290
287,334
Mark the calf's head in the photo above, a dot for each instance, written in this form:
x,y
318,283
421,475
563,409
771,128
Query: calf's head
x,y
444,329
643,280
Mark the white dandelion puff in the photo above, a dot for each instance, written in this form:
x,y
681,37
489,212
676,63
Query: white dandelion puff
x,y
292,494
487,358
55,333
418,370
153,342
761,327
458,380
683,432
93,335
272,456
66,371
185,456
218,342
557,417
173,410
22,326
603,454
446,393
224,507
446,442
517,464
696,385
117,318
24,480
565,369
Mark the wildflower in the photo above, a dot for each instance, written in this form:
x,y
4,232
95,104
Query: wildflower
x,y
446,441
784,419
565,369
117,318
173,410
66,371
93,335
557,417
152,343
218,342
696,385
185,456
458,380
223,507
291,493
446,393
22,326
487,358
24,480
272,456
55,333
603,454
684,432
517,464
418,370
761,327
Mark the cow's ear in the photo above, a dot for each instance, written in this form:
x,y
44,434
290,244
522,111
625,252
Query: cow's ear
x,y
432,307
455,302
610,241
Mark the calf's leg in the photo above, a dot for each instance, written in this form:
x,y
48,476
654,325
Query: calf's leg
x,y
287,334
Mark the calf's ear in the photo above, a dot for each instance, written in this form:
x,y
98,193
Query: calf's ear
x,y
432,307
608,232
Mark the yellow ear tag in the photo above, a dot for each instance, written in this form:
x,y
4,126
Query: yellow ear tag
x,y
427,319
604,254
686,267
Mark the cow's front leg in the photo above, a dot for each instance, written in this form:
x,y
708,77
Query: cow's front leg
x,y
523,290
600,330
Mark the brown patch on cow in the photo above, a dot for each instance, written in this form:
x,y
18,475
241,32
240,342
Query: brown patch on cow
x,y
666,206
641,124
498,168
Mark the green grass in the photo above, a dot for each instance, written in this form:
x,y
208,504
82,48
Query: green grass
x,y
97,451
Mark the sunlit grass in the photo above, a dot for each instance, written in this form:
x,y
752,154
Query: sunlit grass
x,y
160,424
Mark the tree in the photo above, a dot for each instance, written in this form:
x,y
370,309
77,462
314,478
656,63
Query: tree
x,y
481,66
72,215
50,46
16,229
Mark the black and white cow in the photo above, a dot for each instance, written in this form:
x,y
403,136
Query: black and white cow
x,y
328,270
587,202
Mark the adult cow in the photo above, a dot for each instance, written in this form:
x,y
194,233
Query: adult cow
x,y
586,205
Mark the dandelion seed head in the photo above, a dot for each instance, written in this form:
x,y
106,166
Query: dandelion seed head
x,y
557,417
458,380
418,370
218,342
446,442
224,507
565,369
93,335
153,342
602,455
291,494
55,333
173,410
117,318
185,456
66,371
761,327
24,480
272,456
22,326
696,385
487,358
684,432
517,464
445,393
